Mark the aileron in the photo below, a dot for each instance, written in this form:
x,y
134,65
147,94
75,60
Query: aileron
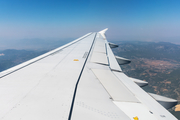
x,y
114,87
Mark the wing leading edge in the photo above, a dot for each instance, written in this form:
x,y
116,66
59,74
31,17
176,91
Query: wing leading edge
x,y
80,80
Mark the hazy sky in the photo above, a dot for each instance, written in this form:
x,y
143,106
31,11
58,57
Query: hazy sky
x,y
148,20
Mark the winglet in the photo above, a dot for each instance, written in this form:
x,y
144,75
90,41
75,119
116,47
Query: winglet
x,y
102,32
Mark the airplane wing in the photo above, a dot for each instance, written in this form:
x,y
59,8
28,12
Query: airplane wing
x,y
81,80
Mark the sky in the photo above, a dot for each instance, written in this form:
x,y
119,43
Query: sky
x,y
142,20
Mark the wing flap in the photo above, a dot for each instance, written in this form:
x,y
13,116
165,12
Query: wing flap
x,y
114,87
112,60
99,52
136,110
100,46
100,58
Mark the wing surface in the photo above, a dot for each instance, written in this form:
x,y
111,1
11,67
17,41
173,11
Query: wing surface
x,y
80,80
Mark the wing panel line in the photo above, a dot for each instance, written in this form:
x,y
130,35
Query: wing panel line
x,y
72,104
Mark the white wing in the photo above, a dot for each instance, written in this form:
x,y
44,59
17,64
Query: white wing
x,y
80,80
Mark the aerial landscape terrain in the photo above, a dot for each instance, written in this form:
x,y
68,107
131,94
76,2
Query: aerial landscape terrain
x,y
158,63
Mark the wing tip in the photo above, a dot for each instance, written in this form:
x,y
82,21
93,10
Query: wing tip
x,y
102,32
